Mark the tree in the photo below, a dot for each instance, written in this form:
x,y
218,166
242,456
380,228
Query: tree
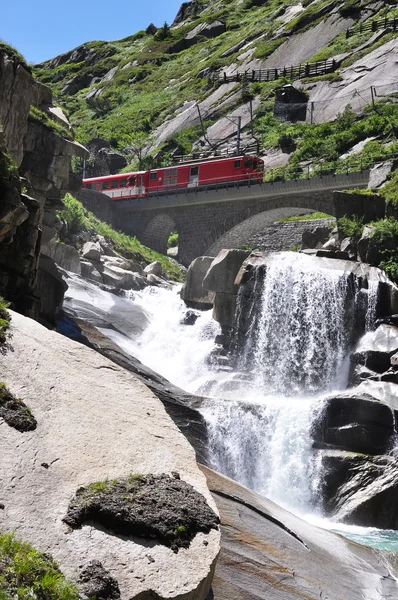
x,y
135,144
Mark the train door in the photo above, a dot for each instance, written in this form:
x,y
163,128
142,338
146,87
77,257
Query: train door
x,y
140,185
193,177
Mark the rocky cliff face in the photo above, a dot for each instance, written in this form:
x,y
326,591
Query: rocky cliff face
x,y
38,148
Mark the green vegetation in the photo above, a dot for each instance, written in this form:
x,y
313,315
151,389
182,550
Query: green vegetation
x,y
310,217
79,219
385,240
8,169
172,242
26,574
43,118
11,51
351,226
5,319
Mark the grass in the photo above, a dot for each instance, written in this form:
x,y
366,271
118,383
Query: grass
x,y
79,219
11,51
26,574
5,319
310,217
42,118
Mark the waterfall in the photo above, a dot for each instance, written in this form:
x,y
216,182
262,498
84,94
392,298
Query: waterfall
x,y
296,324
303,323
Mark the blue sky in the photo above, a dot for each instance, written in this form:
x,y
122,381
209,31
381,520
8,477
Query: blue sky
x,y
41,29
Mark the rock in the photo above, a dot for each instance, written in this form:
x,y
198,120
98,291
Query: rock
x,y
92,251
96,582
154,268
50,287
102,309
151,29
224,270
172,252
161,507
15,412
376,348
331,244
90,272
207,30
378,174
65,256
97,421
315,238
190,318
268,553
368,497
158,281
348,245
119,278
123,263
366,252
192,292
354,422
369,207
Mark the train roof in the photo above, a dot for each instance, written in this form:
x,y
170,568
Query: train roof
x,y
118,176
199,161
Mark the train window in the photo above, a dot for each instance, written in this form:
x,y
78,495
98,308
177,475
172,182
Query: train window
x,y
194,171
115,183
248,164
105,185
237,164
88,186
132,180
170,176
123,182
152,176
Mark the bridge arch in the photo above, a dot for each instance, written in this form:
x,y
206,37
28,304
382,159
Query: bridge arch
x,y
240,234
157,232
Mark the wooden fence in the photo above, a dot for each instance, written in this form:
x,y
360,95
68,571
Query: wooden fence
x,y
321,67
373,26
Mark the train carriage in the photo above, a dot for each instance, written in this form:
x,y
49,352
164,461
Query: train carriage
x,y
206,172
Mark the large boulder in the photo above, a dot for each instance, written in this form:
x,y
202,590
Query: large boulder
x,y
154,268
96,423
267,553
220,278
121,279
369,496
92,251
192,292
376,348
50,287
65,256
354,422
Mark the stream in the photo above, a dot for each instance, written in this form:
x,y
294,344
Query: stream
x,y
259,409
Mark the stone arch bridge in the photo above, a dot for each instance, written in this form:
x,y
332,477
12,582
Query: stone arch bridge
x,y
210,219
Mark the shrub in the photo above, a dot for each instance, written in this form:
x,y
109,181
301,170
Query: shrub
x,y
73,214
172,242
385,240
351,226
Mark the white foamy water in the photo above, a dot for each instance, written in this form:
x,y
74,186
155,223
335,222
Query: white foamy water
x,y
260,410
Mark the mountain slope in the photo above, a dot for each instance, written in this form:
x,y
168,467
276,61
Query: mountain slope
x,y
147,94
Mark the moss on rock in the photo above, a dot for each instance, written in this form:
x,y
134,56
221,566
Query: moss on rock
x,y
15,412
158,507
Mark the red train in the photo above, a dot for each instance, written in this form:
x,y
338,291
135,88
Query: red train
x,y
213,171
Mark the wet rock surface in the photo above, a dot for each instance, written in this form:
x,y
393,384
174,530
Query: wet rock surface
x,y
15,412
270,554
157,507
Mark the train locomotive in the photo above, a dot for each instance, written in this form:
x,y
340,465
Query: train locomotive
x,y
216,172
